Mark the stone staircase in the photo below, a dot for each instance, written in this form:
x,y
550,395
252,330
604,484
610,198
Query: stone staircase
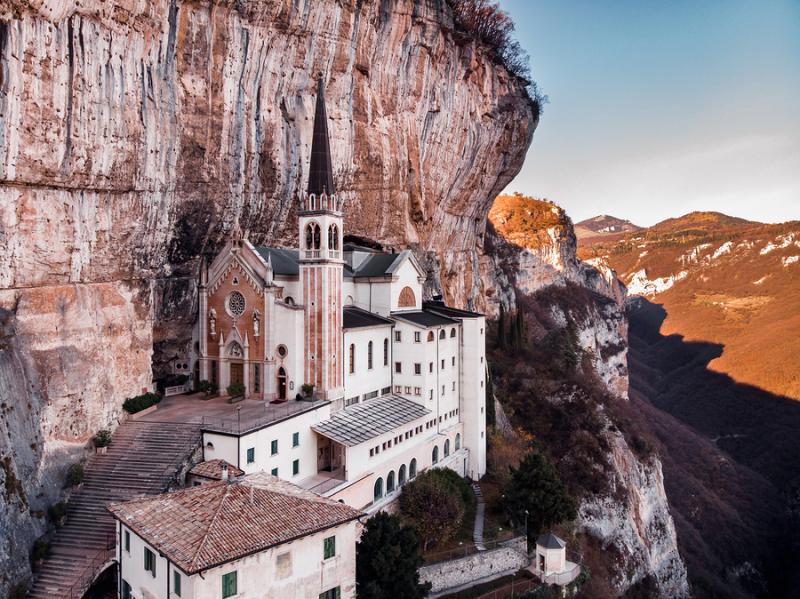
x,y
480,512
143,459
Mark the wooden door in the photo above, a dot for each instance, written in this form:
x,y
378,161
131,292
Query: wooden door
x,y
237,373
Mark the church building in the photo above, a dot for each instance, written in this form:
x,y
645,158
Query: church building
x,y
374,384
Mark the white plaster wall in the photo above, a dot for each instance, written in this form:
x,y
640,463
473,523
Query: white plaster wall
x,y
289,332
365,380
225,446
259,577
406,275
473,392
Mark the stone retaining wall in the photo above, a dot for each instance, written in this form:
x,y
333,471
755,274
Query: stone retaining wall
x,y
509,557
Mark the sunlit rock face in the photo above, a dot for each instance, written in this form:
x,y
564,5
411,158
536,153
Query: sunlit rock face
x,y
530,248
134,132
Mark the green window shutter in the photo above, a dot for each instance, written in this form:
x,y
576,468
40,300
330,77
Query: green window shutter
x,y
229,585
251,455
176,583
274,447
274,472
329,549
295,439
296,467
127,541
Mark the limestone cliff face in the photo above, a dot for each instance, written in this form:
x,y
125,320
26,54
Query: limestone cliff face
x,y
531,249
133,133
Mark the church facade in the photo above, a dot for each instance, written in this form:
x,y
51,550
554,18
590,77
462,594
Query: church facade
x,y
389,384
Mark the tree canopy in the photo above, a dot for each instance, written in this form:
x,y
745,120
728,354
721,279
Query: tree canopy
x,y
536,487
387,559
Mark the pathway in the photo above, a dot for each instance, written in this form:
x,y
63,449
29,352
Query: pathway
x,y
143,459
480,510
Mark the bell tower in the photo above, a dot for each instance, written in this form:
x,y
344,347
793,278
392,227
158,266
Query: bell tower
x,y
321,266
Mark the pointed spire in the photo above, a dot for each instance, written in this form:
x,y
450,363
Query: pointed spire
x,y
320,175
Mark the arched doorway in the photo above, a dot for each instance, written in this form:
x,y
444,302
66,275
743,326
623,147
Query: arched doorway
x,y
235,365
281,383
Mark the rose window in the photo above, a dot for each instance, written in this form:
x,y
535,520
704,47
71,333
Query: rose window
x,y
236,304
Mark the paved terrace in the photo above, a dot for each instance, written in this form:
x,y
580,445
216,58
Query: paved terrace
x,y
217,415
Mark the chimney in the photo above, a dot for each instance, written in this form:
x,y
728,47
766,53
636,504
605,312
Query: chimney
x,y
224,473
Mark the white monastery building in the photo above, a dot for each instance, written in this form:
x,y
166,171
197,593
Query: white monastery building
x,y
256,536
364,384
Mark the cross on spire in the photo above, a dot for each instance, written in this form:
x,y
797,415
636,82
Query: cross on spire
x,y
320,176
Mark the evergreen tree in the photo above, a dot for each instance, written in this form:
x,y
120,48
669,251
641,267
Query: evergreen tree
x,y
387,560
536,487
501,328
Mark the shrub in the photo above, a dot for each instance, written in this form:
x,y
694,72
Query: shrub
x,y
102,438
18,591
434,505
140,402
387,560
235,389
57,511
40,549
75,475
204,386
307,389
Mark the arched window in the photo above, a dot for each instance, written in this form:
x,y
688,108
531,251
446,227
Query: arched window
x,y
378,491
458,441
352,358
435,454
430,335
289,301
386,352
447,448
452,332
390,482
369,355
412,468
401,475
407,298
333,237
442,334
312,236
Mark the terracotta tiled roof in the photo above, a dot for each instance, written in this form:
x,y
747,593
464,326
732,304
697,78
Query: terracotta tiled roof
x,y
209,525
212,469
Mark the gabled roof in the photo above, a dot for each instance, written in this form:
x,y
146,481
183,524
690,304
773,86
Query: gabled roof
x,y
356,318
424,318
550,541
440,308
360,423
378,264
284,262
210,525
212,470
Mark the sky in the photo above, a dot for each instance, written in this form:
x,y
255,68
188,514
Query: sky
x,y
659,108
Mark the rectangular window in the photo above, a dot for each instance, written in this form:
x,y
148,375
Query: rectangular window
x,y
417,336
295,439
417,390
149,562
126,590
430,366
257,378
371,395
442,389
295,467
398,367
417,368
274,472
251,455
385,390
372,452
127,541
442,363
408,390
351,401
430,396
176,583
453,360
273,447
334,593
398,389
329,548
398,337
454,385
229,585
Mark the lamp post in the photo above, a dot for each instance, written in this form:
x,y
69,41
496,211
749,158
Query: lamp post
x,y
526,531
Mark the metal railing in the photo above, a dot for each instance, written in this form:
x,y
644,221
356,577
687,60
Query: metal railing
x,y
243,423
92,570
467,550
515,589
